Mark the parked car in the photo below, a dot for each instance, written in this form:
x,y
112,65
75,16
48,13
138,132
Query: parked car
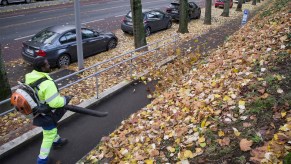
x,y
58,44
6,2
153,20
220,3
194,11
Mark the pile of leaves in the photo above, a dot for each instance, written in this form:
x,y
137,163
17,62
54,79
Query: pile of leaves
x,y
231,107
13,124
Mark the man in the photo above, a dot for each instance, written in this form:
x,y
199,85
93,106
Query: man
x,y
51,109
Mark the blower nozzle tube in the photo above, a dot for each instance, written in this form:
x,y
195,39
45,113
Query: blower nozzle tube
x,y
85,111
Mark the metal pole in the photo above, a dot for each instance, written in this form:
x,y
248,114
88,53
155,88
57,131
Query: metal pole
x,y
78,34
97,86
130,71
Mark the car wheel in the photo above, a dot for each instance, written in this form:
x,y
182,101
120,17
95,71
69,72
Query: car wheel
x,y
148,31
169,24
111,44
4,2
27,1
64,60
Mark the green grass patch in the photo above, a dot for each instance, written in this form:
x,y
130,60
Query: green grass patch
x,y
256,138
259,105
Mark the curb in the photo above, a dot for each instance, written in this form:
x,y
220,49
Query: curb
x,y
8,147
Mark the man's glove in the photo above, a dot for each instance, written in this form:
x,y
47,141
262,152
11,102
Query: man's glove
x,y
43,108
68,99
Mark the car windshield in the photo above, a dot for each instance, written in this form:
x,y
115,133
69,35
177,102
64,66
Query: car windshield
x,y
129,15
44,37
174,5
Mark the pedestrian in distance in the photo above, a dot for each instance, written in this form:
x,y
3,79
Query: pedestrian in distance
x,y
51,109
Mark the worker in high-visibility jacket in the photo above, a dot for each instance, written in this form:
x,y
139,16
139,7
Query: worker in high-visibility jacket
x,y
53,104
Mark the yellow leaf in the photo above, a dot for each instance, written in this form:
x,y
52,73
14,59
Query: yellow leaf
x,y
196,40
198,150
178,51
220,133
217,96
143,78
226,98
236,132
241,104
185,109
201,139
178,140
275,136
149,161
207,123
171,149
203,122
188,154
284,128
235,70
283,114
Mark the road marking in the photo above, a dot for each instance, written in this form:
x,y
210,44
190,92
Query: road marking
x,y
119,15
13,16
24,23
23,37
93,21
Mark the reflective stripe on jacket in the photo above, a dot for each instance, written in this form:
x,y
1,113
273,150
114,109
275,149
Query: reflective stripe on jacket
x,y
48,91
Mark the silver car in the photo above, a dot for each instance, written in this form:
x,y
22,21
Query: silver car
x,y
6,2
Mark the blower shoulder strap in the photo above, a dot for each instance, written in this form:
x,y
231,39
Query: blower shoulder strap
x,y
38,82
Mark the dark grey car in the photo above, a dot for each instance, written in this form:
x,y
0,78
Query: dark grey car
x,y
58,44
153,20
194,11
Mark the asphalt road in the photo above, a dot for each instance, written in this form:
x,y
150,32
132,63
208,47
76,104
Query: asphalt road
x,y
104,15
84,132
19,26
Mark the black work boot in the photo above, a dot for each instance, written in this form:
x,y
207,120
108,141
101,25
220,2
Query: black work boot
x,y
61,142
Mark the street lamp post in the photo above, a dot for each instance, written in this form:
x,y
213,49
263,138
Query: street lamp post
x,y
78,34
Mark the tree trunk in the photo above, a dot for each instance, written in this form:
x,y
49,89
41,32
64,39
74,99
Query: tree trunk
x,y
138,26
5,87
254,2
239,5
207,19
225,12
184,17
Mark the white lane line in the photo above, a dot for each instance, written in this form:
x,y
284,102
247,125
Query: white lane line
x,y
23,37
93,21
12,16
121,6
119,15
105,2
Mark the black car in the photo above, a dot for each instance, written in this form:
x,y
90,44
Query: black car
x,y
153,20
58,44
194,11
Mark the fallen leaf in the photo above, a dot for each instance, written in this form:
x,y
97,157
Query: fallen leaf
x,y
245,144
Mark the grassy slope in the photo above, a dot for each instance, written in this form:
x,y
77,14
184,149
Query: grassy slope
x,y
229,107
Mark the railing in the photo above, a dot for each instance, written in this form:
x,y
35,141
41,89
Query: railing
x,y
133,57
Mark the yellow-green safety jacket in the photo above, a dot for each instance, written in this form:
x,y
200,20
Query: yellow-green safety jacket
x,y
48,92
